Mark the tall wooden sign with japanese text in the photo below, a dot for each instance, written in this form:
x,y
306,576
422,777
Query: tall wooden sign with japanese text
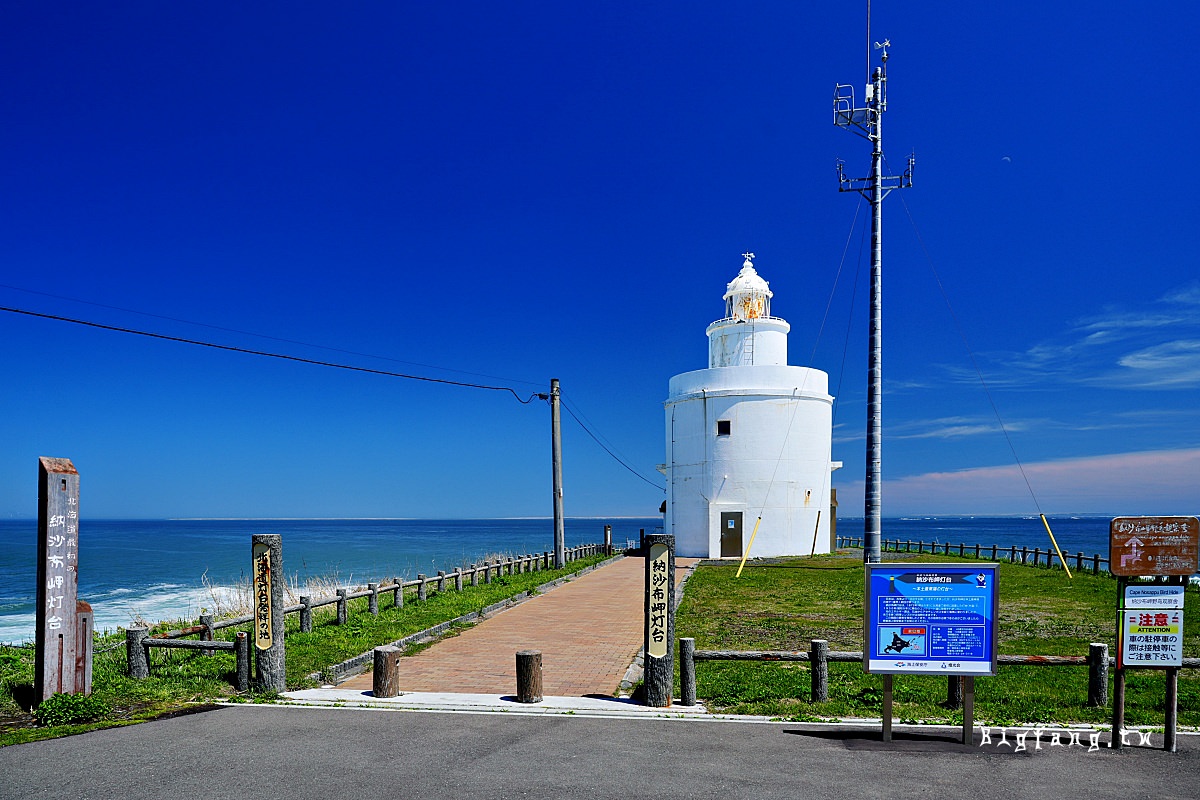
x,y
659,655
57,645
267,564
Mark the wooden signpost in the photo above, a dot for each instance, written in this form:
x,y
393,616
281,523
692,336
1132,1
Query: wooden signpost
x,y
267,552
659,653
63,646
1150,616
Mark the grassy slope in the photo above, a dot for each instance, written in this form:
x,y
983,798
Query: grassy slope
x,y
783,607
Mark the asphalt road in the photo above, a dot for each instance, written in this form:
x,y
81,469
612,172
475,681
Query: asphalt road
x,y
260,752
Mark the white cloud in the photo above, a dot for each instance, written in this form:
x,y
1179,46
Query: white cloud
x,y
1159,482
1170,364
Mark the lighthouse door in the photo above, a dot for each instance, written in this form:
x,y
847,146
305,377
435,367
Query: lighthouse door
x,y
731,534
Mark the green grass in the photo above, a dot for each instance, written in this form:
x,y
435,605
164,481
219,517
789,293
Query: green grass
x,y
784,605
180,680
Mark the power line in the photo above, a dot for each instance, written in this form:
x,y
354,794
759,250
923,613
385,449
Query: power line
x,y
257,335
615,457
266,354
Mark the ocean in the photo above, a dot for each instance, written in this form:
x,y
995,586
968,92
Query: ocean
x,y
162,569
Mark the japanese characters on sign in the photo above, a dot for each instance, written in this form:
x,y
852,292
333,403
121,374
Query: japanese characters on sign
x,y
659,597
261,554
930,618
1151,638
58,577
1153,546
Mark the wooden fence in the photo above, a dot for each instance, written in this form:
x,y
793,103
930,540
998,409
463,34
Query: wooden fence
x,y
819,655
1013,554
138,642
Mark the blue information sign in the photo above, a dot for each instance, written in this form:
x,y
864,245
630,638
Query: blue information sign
x,y
930,618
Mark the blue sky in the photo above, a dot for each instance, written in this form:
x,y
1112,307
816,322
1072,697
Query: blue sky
x,y
506,193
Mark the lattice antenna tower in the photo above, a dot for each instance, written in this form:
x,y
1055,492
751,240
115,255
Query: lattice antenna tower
x,y
865,121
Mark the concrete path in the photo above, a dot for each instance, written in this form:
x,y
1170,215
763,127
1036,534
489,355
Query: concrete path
x,y
588,630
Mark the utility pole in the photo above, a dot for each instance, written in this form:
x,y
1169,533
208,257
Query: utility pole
x,y
560,550
866,122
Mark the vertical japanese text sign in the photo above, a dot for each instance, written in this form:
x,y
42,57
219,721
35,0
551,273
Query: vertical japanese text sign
x,y
262,594
267,555
659,660
58,577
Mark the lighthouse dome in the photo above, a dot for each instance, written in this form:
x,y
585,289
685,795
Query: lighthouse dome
x,y
747,296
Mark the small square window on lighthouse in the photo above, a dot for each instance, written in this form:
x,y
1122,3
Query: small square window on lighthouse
x,y
723,427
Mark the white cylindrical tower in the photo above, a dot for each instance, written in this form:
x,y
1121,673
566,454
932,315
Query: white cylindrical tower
x,y
749,437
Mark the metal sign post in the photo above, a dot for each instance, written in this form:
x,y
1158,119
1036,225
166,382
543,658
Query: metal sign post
x,y
1150,616
922,619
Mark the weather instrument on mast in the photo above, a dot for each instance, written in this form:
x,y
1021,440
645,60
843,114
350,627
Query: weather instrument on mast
x,y
865,122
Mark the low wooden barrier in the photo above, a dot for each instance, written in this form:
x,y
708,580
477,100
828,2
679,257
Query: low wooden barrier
x,y
1097,661
138,641
1013,554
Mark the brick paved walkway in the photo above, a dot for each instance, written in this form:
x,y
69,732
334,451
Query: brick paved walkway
x,y
589,631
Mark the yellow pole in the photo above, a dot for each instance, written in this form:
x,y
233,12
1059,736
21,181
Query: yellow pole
x,y
1061,560
746,554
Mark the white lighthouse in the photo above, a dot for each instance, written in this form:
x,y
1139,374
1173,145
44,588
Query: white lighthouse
x,y
749,438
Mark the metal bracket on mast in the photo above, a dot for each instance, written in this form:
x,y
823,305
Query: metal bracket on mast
x,y
865,186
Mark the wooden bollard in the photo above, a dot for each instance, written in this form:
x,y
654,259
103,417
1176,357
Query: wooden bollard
x,y
373,600
209,631
305,614
1096,564
487,572
474,574
421,595
458,580
546,559
241,652
343,610
1097,675
529,676
818,663
398,593
135,652
441,579
385,680
687,671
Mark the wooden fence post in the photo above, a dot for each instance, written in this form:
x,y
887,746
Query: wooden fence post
x,y
343,610
1097,674
1096,564
487,572
474,574
385,679
305,614
209,631
421,595
458,579
399,600
373,600
135,652
529,676
687,671
818,663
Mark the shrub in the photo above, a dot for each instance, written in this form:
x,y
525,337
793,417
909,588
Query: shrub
x,y
70,709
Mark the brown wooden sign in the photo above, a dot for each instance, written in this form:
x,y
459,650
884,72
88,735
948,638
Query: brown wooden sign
x,y
1154,546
